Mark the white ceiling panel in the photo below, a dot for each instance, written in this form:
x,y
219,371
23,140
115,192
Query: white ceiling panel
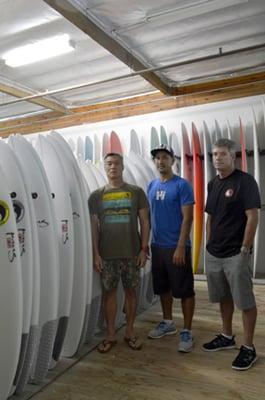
x,y
156,33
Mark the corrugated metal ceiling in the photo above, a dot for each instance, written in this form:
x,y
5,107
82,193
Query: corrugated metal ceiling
x,y
156,33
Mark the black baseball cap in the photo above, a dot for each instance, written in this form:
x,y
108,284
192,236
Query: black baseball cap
x,y
163,147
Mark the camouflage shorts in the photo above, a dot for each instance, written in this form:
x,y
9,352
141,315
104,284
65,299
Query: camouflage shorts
x,y
124,268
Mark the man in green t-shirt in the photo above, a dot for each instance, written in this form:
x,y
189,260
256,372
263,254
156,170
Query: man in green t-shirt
x,y
119,248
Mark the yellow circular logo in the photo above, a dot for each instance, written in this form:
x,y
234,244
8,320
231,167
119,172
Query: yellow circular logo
x,y
4,212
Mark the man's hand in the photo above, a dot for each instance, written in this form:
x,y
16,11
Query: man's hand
x,y
179,256
97,263
141,259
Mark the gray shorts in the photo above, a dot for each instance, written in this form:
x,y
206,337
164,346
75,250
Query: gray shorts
x,y
230,277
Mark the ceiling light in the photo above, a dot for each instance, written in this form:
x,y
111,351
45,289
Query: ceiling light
x,y
40,50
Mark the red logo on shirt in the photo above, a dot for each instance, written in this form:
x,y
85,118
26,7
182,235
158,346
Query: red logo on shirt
x,y
229,193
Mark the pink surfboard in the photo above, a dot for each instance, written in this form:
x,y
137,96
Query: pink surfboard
x,y
115,143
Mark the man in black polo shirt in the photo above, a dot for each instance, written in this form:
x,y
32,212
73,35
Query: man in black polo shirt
x,y
232,207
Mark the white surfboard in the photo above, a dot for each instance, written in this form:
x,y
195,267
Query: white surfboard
x,y
49,262
11,300
80,148
142,164
88,174
96,149
82,284
63,211
34,333
135,144
174,144
12,169
209,173
100,178
186,159
257,177
91,323
137,170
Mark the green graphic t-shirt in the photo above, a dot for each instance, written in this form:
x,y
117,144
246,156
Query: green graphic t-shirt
x,y
117,211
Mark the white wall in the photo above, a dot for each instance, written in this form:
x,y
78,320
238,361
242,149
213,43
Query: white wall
x,y
171,120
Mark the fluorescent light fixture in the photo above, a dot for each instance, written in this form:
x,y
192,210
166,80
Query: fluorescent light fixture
x,y
40,50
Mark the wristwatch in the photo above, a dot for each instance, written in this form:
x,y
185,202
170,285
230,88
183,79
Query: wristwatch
x,y
245,250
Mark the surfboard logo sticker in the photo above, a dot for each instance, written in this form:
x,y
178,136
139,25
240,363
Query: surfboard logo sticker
x,y
19,210
21,239
10,242
76,215
65,232
4,212
43,223
229,193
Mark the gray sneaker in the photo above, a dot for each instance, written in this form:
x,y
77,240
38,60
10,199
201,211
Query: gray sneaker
x,y
162,329
186,342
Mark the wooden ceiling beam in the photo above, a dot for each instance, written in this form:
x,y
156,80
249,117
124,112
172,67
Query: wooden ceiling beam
x,y
81,21
40,101
125,108
219,84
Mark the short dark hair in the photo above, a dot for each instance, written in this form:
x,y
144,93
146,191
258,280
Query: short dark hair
x,y
224,142
113,154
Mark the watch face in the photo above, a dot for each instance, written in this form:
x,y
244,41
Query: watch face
x,y
244,250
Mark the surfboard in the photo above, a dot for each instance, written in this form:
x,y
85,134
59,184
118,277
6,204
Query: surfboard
x,y
186,159
89,176
80,148
218,130
115,143
154,139
145,273
63,211
257,174
34,333
82,283
135,144
38,185
105,145
88,148
163,136
198,197
174,144
209,172
141,164
244,166
261,231
11,295
96,149
9,162
100,178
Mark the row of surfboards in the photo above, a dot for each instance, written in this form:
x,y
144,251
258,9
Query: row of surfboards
x,y
193,162
50,297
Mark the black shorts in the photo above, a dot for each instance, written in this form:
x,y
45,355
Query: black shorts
x,y
169,277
